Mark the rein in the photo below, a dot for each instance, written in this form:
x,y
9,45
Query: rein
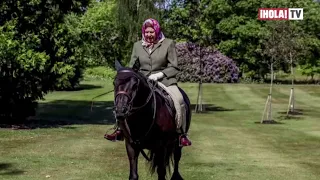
x,y
99,96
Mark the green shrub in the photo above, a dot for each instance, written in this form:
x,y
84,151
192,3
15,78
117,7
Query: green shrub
x,y
21,71
37,54
99,72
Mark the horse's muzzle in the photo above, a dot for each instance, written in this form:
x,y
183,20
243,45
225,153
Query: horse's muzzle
x,y
120,116
121,113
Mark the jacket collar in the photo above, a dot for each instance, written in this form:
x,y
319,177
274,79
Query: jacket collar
x,y
154,47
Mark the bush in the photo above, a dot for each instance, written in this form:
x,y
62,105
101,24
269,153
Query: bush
x,y
69,78
100,72
21,71
216,67
37,54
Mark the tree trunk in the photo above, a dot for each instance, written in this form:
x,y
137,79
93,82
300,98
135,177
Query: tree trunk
x,y
292,73
270,92
272,77
292,79
137,19
199,99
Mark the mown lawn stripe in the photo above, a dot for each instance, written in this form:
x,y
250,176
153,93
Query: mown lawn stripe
x,y
227,143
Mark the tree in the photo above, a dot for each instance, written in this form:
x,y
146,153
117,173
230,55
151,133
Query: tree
x,y
217,68
272,54
185,25
37,53
233,28
96,32
310,63
291,49
130,14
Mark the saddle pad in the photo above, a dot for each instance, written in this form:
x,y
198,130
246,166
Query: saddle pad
x,y
168,99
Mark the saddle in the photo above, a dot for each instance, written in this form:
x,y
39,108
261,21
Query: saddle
x,y
167,98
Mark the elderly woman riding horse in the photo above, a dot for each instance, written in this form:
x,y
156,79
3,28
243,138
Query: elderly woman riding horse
x,y
155,56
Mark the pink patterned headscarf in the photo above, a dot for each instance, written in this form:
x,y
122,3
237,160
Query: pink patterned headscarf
x,y
156,26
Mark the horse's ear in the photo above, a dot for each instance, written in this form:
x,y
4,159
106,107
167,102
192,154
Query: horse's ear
x,y
118,65
136,66
135,69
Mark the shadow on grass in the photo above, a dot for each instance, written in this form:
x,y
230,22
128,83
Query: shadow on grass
x,y
289,81
268,122
290,118
60,113
7,169
210,108
82,87
295,112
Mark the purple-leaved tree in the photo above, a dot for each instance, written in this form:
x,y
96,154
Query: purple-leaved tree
x,y
216,67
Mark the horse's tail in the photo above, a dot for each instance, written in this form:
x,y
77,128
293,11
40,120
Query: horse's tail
x,y
162,157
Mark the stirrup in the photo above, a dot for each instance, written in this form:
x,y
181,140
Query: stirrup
x,y
115,136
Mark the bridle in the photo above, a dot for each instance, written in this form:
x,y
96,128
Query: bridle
x,y
132,109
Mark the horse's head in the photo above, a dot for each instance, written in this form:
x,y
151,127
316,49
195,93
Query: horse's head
x,y
128,85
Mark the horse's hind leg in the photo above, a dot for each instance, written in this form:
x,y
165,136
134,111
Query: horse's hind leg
x,y
177,156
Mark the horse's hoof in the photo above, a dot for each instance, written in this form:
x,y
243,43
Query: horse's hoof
x,y
134,178
176,176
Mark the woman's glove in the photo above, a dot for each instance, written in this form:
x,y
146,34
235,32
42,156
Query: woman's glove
x,y
156,76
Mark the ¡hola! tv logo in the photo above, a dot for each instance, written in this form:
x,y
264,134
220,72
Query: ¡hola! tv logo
x,y
280,14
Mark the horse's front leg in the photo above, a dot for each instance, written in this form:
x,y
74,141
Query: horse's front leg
x,y
133,155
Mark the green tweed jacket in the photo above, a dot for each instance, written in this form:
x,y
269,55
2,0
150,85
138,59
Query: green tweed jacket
x,y
163,58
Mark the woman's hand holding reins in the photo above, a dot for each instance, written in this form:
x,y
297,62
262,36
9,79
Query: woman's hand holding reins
x,y
156,76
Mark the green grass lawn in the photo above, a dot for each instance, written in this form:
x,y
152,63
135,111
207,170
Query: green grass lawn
x,y
227,141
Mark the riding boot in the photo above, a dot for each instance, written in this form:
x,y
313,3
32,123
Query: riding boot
x,y
115,136
183,138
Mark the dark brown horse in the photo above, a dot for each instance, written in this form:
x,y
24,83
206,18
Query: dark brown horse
x,y
146,116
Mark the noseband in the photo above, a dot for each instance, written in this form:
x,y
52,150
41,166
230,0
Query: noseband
x,y
122,92
127,95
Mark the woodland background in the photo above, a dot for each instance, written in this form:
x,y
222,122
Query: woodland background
x,y
52,45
